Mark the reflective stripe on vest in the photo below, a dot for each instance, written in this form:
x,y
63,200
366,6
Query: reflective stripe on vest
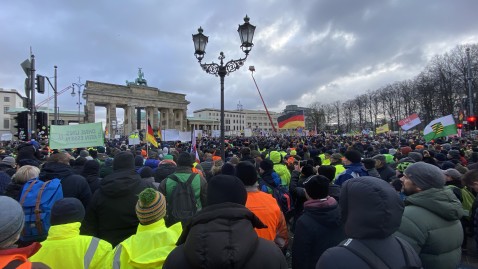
x,y
116,259
90,252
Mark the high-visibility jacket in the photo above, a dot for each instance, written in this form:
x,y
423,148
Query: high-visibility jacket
x,y
148,248
66,248
339,169
325,161
19,255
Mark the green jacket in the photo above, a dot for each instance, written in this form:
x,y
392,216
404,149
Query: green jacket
x,y
431,224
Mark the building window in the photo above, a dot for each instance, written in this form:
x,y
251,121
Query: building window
x,y
6,124
5,109
6,99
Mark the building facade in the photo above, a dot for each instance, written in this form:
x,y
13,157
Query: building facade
x,y
235,121
10,99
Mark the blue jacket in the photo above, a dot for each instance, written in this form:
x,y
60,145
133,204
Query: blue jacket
x,y
351,171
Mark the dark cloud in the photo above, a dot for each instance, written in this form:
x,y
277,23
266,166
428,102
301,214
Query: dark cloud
x,y
305,51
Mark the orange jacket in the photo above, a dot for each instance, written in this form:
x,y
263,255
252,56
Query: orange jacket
x,y
265,207
19,254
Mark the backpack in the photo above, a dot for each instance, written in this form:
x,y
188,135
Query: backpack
x,y
467,199
375,262
281,195
182,201
37,199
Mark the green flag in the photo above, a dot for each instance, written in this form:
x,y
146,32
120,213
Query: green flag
x,y
441,127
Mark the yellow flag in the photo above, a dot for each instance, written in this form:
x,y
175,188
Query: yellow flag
x,y
382,129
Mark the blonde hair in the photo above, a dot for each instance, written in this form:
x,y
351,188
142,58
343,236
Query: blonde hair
x,y
217,166
26,173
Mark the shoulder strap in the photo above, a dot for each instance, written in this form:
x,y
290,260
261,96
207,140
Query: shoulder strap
x,y
173,177
22,200
14,264
191,178
37,208
406,249
362,251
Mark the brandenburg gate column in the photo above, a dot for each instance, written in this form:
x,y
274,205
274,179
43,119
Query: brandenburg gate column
x,y
155,121
111,119
129,125
165,118
90,107
171,117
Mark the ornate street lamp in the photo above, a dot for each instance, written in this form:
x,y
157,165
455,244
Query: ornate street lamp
x,y
79,103
246,33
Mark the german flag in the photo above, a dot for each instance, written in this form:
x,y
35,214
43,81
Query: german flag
x,y
291,120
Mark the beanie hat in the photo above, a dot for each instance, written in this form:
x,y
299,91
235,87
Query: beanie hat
x,y
327,171
184,159
123,161
336,156
84,153
228,169
101,149
168,157
247,173
146,172
425,176
275,157
224,189
416,156
10,161
446,165
11,220
317,187
440,157
453,173
353,156
138,160
67,210
151,206
454,154
308,170
266,165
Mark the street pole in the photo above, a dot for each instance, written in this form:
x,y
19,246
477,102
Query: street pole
x,y
56,97
222,73
469,77
32,108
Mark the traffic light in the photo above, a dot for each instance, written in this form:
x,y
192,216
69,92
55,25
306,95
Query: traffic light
x,y
459,125
471,119
40,81
42,124
21,125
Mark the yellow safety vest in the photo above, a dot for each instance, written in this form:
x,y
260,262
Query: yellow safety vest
x,y
66,248
148,248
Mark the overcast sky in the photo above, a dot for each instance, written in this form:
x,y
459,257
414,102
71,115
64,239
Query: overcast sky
x,y
304,50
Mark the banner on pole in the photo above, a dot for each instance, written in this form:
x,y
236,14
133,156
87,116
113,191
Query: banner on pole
x,y
76,136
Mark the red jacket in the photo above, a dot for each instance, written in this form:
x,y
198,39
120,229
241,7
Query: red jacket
x,y
21,255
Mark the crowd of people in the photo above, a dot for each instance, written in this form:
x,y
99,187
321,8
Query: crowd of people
x,y
322,201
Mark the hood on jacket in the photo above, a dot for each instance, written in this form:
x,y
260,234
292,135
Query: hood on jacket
x,y
355,167
91,168
221,236
119,183
275,157
441,201
326,212
371,208
55,170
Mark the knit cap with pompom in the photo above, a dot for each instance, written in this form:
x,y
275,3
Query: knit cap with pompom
x,y
151,206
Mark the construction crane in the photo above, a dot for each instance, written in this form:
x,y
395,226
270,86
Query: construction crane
x,y
53,96
252,69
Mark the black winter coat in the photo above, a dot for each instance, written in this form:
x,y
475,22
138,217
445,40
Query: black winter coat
x,y
318,229
111,214
386,173
222,236
163,171
91,172
73,185
372,211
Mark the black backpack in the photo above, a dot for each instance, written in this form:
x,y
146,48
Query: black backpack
x,y
374,261
281,195
182,201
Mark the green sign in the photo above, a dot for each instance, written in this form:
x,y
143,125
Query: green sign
x,y
76,136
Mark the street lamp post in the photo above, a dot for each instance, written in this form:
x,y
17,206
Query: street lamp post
x,y
79,85
469,78
246,33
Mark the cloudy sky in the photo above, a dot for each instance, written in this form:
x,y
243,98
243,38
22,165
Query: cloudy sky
x,y
304,51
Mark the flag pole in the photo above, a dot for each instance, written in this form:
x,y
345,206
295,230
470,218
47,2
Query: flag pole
x,y
146,135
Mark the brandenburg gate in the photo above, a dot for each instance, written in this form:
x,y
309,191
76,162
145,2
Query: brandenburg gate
x,y
132,98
